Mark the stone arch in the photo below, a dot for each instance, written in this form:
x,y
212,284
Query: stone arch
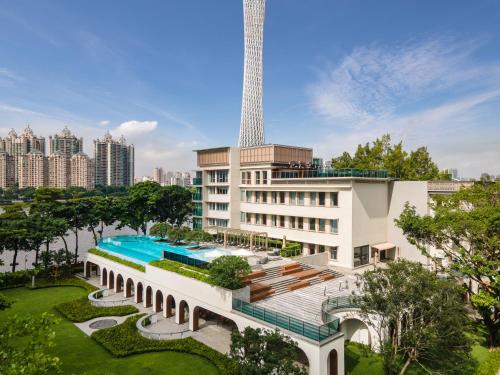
x,y
139,293
210,318
158,305
149,297
129,288
91,267
169,309
356,330
333,363
104,277
111,279
183,312
302,358
119,283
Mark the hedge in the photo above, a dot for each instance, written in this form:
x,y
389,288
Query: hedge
x,y
182,269
73,281
15,279
106,255
81,310
124,340
291,249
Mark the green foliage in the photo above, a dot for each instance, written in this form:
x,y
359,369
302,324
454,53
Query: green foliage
x,y
263,352
417,165
421,318
466,226
491,365
14,231
160,230
82,310
291,249
182,269
14,279
227,271
73,281
271,243
4,302
106,255
198,235
124,340
173,204
32,357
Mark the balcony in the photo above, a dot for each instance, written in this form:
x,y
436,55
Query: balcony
x,y
326,173
197,181
197,196
197,212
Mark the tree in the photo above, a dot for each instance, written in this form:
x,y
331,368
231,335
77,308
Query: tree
x,y
419,319
198,235
105,210
32,357
14,231
466,227
227,271
263,352
160,230
381,154
173,204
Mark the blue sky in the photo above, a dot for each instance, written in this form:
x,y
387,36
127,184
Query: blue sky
x,y
168,75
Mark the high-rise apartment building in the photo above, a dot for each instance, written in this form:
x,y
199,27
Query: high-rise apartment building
x,y
65,143
82,171
32,170
7,170
252,118
114,161
159,175
59,170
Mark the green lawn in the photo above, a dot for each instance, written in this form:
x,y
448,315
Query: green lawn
x,y
81,355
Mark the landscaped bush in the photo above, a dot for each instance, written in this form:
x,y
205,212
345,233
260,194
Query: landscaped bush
x,y
13,279
182,269
228,271
4,302
491,365
291,249
124,340
117,259
73,281
277,244
82,310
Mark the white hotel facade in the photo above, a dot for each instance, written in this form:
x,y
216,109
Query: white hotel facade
x,y
348,214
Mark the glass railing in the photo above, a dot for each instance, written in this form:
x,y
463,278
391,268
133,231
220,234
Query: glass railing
x,y
197,196
311,331
337,303
197,212
197,181
322,173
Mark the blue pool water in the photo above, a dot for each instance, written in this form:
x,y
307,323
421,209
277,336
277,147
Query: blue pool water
x,y
143,249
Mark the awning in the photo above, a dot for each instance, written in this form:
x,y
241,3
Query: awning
x,y
384,246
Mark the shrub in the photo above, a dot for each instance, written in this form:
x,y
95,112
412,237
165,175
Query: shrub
x,y
128,263
277,244
291,249
227,271
81,310
14,279
182,269
4,302
160,230
198,235
491,365
73,281
124,340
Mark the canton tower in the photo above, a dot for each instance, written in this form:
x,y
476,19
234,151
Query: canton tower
x,y
252,119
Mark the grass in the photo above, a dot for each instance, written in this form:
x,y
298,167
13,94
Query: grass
x,y
81,310
82,355
183,269
106,255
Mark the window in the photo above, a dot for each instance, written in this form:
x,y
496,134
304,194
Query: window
x,y
257,197
282,197
211,190
321,249
301,198
361,255
257,177
257,219
273,197
300,222
312,224
264,177
292,222
282,221
333,252
321,198
211,176
273,220
264,219
313,199
246,178
222,206
222,176
292,198
243,195
221,190
264,197
321,225
211,206
334,199
243,217
249,218
334,226
249,196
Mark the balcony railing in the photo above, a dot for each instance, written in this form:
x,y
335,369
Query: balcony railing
x,y
336,303
323,173
308,330
197,181
197,212
197,196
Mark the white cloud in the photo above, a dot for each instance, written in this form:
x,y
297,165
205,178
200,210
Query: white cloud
x,y
104,122
134,128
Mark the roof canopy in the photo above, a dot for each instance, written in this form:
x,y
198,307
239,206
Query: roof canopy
x,y
384,246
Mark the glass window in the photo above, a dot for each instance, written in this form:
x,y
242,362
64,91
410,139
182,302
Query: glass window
x,y
211,190
249,196
300,222
264,197
312,224
334,198
243,216
273,197
301,198
292,197
321,198
333,252
257,197
321,225
273,220
282,197
264,219
264,177
257,178
313,199
282,221
321,249
361,255
292,222
334,226
243,195
222,176
257,219
249,218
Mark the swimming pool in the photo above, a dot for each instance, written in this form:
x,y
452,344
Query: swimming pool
x,y
144,249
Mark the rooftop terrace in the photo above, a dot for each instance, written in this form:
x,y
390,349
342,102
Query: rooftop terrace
x,y
328,173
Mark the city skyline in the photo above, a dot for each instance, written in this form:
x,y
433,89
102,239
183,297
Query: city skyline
x,y
336,75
